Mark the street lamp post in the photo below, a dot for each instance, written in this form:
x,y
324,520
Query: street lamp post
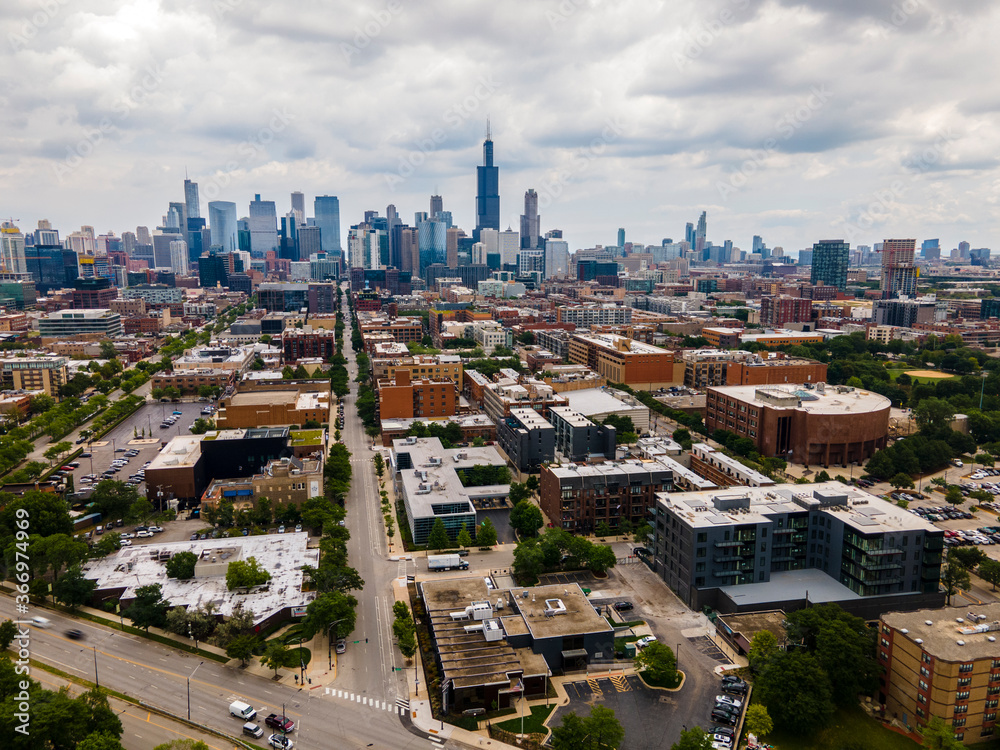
x,y
189,688
329,642
984,374
97,680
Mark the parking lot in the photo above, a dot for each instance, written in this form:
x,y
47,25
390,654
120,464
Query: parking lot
x,y
123,438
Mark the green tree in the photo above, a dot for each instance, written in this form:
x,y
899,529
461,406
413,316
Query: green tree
x,y
967,557
245,574
518,492
407,644
464,538
901,480
601,558
571,734
72,589
7,632
525,517
438,538
533,484
954,495
181,565
658,662
328,608
939,735
529,561
846,654
486,534
604,728
796,691
758,720
603,530
241,647
113,499
110,542
274,655
855,382
989,571
693,739
149,609
763,647
933,414
954,578
57,449
881,465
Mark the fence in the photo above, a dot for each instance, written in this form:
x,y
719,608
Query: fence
x,y
530,741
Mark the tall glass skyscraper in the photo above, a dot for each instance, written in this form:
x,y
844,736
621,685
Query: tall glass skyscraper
x,y
191,199
222,222
487,190
829,263
326,209
263,227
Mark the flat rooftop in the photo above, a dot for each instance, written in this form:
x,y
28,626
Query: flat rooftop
x,y
590,401
181,451
941,637
866,513
529,418
832,400
621,344
434,468
790,585
570,415
464,420
282,555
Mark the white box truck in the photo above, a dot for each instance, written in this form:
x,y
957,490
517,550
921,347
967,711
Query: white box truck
x,y
242,710
446,562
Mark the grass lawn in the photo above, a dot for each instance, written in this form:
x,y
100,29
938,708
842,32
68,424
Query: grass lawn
x,y
471,723
292,657
533,724
849,728
663,683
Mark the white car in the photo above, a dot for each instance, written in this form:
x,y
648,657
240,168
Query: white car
x,y
127,535
144,534
125,542
728,700
645,641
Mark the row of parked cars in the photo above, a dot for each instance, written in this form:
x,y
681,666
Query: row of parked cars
x,y
726,712
985,535
940,513
984,472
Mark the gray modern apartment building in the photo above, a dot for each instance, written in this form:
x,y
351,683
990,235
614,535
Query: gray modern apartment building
x,y
829,263
527,438
784,547
579,439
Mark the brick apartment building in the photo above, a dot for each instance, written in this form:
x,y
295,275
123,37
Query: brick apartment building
x,y
622,360
779,310
406,398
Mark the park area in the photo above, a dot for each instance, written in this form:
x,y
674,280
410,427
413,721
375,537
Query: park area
x,y
918,376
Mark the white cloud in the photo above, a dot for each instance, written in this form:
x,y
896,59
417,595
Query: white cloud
x,y
714,102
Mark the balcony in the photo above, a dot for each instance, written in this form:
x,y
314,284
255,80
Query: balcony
x,y
726,559
735,543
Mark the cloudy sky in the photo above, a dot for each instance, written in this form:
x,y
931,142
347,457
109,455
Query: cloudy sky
x,y
797,120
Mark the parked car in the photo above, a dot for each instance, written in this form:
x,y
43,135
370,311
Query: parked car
x,y
341,646
645,641
144,534
623,606
280,741
728,700
725,718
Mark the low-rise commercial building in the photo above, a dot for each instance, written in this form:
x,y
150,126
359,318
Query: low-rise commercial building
x,y
787,546
823,425
472,426
289,481
190,381
499,398
597,404
285,402
426,477
493,646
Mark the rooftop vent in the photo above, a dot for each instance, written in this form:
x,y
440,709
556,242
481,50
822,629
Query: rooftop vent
x,y
928,622
554,607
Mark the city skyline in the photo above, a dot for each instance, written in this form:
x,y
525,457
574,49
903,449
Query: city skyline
x,y
790,151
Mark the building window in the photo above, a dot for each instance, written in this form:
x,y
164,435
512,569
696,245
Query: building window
x,y
965,668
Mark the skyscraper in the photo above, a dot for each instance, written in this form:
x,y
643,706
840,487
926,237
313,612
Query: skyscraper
x,y
299,207
556,258
899,277
191,200
437,206
829,263
689,234
621,236
179,257
263,227
530,234
326,208
12,246
701,233
392,221
508,244
487,190
222,223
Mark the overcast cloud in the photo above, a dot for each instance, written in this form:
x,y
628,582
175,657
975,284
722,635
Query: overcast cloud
x,y
799,121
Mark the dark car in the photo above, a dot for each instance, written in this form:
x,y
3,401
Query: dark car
x,y
724,731
731,678
736,688
623,606
281,723
74,634
724,718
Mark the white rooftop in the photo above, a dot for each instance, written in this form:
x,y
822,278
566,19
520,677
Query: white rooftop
x,y
281,555
832,399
